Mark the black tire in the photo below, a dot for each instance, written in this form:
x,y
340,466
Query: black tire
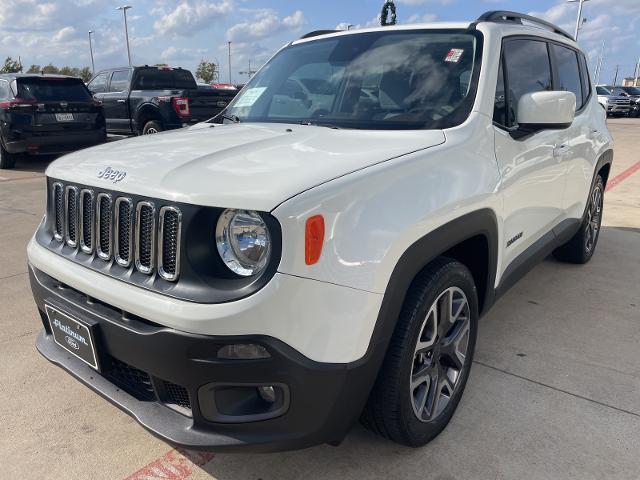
x,y
391,409
582,245
7,160
152,127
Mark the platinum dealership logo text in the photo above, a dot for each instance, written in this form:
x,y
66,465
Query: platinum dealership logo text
x,y
70,333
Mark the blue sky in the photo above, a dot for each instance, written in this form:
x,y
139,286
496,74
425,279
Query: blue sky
x,y
181,32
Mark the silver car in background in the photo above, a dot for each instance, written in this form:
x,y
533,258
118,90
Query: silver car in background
x,y
613,104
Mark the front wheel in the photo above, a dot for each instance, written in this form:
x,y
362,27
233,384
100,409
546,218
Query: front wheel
x,y
428,361
583,244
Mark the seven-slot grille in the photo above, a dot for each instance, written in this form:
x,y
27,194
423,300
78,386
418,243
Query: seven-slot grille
x,y
119,229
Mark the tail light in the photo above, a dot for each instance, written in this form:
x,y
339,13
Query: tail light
x,y
181,106
18,103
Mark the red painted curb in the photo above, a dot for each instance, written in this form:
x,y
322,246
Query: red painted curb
x,y
623,176
173,465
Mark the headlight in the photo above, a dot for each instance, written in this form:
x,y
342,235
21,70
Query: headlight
x,y
243,241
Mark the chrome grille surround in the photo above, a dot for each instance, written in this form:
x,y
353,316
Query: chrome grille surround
x,y
71,216
58,211
169,243
123,231
87,221
104,226
145,237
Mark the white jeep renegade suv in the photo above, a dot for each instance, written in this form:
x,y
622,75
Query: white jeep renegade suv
x,y
323,251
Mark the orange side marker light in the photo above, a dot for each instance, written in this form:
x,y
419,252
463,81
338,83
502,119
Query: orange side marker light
x,y
314,238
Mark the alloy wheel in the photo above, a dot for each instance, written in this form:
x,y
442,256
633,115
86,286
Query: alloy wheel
x,y
594,218
440,354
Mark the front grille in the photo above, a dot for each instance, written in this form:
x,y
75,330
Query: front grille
x,y
170,233
177,395
145,237
87,221
104,227
133,381
124,231
71,220
117,228
58,205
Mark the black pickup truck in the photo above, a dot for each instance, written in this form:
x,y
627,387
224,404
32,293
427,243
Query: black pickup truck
x,y
145,100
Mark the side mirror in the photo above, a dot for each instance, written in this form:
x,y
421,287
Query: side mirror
x,y
545,111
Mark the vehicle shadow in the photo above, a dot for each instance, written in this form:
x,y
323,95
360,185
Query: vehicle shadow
x,y
33,164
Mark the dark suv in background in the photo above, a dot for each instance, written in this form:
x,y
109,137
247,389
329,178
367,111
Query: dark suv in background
x,y
145,100
633,94
46,114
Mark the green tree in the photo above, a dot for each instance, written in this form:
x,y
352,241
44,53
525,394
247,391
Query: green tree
x,y
11,66
85,74
207,71
34,69
50,69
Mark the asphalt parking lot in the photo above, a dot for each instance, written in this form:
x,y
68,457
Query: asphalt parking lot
x,y
554,392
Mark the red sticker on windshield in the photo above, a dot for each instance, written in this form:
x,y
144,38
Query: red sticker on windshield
x,y
454,55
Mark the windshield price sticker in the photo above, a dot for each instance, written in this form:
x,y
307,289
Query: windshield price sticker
x,y
250,97
454,55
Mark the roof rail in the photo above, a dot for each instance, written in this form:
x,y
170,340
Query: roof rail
x,y
319,32
514,17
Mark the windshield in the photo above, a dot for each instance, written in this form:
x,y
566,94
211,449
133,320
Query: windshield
x,y
409,79
603,91
45,89
632,90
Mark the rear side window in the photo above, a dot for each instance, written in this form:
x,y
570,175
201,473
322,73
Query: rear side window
x,y
163,79
4,90
119,81
568,72
99,84
44,89
528,70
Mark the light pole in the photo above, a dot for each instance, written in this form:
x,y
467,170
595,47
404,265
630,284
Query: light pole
x,y
229,43
124,9
93,67
579,20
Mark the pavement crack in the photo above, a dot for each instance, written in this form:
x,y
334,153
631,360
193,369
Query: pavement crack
x,y
14,275
575,395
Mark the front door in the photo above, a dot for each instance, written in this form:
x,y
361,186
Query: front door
x,y
533,168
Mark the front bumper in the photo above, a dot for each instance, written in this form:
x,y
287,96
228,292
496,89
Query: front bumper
x,y
612,108
324,400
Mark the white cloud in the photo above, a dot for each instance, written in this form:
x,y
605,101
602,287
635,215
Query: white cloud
x,y
191,16
265,24
64,34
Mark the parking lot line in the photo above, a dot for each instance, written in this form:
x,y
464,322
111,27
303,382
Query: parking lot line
x,y
623,176
173,465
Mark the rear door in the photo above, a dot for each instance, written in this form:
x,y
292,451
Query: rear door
x,y
579,154
532,167
59,104
116,102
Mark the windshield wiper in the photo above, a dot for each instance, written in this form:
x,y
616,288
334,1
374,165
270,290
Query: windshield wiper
x,y
319,124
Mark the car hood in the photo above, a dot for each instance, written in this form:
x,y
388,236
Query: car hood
x,y
248,166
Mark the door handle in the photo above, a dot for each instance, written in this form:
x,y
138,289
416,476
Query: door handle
x,y
122,101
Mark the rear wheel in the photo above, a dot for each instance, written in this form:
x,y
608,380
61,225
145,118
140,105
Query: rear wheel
x,y
152,127
7,160
427,365
583,244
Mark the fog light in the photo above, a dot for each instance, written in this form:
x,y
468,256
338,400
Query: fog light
x,y
243,351
267,393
